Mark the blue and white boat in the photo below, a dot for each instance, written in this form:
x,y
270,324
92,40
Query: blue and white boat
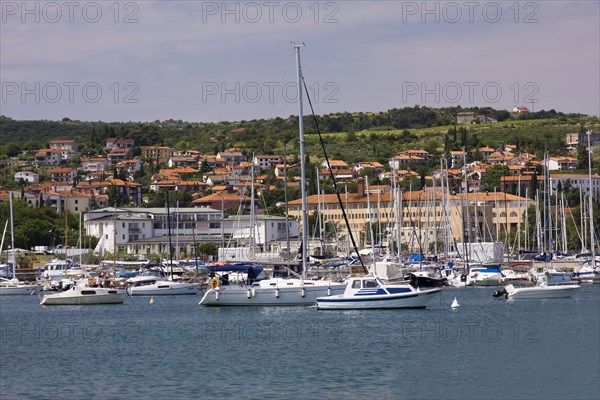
x,y
369,292
485,275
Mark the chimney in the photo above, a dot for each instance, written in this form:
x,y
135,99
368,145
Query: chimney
x,y
361,186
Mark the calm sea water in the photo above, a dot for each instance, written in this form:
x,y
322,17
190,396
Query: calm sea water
x,y
487,349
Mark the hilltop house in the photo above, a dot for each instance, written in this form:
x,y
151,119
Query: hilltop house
x,y
27,176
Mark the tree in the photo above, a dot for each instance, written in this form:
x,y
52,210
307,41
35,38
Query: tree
x,y
492,179
582,157
93,204
208,249
116,198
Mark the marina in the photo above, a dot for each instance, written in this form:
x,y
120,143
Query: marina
x,y
438,352
300,200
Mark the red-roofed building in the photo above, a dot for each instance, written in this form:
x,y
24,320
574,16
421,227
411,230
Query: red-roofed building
x,y
120,154
63,175
115,143
66,144
562,163
52,156
267,161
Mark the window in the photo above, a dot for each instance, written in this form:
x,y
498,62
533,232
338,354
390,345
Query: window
x,y
356,285
370,283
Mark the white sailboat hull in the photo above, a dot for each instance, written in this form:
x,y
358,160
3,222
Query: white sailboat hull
x,y
11,287
85,296
418,299
271,296
541,292
19,290
164,288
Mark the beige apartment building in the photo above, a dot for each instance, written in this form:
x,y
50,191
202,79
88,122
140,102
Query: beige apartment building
x,y
423,216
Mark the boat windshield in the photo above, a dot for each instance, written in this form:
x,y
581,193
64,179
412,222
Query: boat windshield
x,y
370,283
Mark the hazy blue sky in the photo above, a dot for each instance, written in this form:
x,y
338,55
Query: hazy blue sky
x,y
212,61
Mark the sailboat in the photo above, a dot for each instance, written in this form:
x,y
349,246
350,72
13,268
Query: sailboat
x,y
278,291
14,286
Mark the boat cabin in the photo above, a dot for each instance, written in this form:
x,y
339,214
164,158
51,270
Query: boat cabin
x,y
370,285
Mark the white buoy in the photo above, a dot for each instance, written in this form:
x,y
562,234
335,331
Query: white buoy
x,y
152,300
455,303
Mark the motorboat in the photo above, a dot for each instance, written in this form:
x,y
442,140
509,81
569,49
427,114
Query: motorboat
x,y
426,279
538,292
154,283
553,277
370,292
485,275
589,271
85,294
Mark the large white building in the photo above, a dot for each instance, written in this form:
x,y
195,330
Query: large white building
x,y
579,181
145,230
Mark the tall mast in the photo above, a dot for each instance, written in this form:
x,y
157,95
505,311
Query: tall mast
x,y
397,210
435,225
370,222
12,237
591,203
465,222
285,193
80,238
297,47
252,212
169,235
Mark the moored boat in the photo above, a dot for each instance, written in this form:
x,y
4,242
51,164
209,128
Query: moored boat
x,y
540,292
270,292
155,283
82,294
369,292
16,287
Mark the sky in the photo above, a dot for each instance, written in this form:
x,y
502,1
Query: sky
x,y
207,61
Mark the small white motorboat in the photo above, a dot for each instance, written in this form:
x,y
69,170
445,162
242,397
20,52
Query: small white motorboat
x,y
540,292
154,283
82,294
369,292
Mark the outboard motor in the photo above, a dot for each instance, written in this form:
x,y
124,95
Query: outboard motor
x,y
500,293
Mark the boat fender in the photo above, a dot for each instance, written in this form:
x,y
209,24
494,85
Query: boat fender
x,y
277,293
214,283
328,291
253,292
249,293
217,292
303,293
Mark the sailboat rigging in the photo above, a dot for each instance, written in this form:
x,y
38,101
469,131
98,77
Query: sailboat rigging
x,y
277,291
